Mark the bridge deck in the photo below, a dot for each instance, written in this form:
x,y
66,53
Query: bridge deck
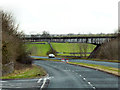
x,y
97,40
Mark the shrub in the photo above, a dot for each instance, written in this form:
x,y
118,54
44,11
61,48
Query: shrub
x,y
52,51
13,48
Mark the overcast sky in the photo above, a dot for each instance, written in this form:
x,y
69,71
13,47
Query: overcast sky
x,y
64,16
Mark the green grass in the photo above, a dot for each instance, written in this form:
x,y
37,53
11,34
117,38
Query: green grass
x,y
71,47
32,72
42,49
111,70
104,60
38,49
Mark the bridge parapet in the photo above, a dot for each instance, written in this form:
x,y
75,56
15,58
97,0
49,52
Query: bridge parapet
x,y
97,40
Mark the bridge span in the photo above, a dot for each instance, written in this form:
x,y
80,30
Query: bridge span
x,y
96,40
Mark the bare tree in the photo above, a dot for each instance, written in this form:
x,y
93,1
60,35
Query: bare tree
x,y
45,34
85,49
73,49
80,49
13,47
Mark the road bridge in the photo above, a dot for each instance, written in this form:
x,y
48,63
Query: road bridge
x,y
96,40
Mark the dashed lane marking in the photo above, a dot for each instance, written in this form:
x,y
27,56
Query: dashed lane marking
x,y
84,78
88,82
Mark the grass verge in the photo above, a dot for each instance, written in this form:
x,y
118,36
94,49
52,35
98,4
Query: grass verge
x,y
31,72
111,70
104,60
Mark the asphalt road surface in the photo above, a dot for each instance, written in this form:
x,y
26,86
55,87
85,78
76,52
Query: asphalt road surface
x,y
109,64
64,76
23,84
70,76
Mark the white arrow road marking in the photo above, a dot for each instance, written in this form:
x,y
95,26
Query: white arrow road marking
x,y
43,83
39,80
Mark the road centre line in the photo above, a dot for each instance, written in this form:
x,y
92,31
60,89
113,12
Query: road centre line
x,y
88,82
84,78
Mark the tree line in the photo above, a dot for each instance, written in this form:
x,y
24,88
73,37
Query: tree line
x,y
13,47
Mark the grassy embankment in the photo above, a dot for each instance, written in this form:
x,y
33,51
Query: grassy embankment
x,y
41,49
30,72
111,70
71,48
104,60
38,49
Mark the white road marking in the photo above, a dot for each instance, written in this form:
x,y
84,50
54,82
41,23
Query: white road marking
x,y
84,78
66,70
2,81
91,85
49,77
43,83
39,80
94,88
44,80
88,82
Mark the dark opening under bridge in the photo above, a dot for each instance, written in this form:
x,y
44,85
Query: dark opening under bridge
x,y
96,40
